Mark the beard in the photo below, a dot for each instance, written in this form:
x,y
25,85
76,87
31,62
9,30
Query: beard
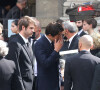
x,y
79,28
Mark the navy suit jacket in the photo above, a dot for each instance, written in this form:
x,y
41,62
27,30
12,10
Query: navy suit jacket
x,y
23,59
47,65
79,71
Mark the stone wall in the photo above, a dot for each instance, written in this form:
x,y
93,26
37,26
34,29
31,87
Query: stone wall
x,y
48,10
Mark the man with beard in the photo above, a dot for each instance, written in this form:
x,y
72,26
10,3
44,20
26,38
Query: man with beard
x,y
79,25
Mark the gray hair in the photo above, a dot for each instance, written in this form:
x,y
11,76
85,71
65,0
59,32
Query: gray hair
x,y
71,26
3,48
37,23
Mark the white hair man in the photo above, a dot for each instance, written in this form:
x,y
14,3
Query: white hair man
x,y
70,31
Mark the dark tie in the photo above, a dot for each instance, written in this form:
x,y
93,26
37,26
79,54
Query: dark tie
x,y
33,43
52,45
27,44
67,44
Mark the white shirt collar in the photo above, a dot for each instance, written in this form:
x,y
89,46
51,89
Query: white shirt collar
x,y
70,40
38,38
80,32
25,40
48,39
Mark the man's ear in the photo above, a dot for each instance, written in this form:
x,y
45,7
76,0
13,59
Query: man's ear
x,y
80,46
23,27
92,47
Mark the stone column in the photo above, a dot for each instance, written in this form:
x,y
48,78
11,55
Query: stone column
x,y
30,9
48,11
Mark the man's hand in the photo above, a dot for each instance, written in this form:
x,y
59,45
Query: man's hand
x,y
58,44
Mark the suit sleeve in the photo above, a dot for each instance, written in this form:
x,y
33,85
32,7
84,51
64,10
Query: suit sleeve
x,y
44,57
67,77
13,54
96,80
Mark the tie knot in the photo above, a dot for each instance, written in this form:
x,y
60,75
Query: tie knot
x,y
34,41
52,44
27,43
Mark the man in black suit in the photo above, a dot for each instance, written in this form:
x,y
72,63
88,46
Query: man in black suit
x,y
79,24
70,31
96,79
15,13
21,53
47,56
79,69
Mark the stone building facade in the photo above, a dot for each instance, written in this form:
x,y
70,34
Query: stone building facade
x,y
50,10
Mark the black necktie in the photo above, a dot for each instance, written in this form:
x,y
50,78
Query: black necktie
x,y
52,45
33,44
67,44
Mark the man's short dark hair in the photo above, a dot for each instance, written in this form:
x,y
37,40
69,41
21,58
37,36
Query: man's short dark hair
x,y
60,21
53,29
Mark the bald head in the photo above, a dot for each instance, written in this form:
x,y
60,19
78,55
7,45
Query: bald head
x,y
85,42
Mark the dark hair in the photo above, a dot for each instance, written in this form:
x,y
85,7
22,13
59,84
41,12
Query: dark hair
x,y
59,21
53,29
91,21
15,22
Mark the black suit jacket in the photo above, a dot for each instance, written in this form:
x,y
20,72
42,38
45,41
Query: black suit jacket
x,y
7,71
73,45
96,80
14,13
23,59
79,70
47,65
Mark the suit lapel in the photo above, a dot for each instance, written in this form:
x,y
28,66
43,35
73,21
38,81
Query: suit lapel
x,y
48,43
29,52
73,41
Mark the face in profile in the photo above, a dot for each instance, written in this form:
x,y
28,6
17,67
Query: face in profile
x,y
79,23
14,28
86,26
28,32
